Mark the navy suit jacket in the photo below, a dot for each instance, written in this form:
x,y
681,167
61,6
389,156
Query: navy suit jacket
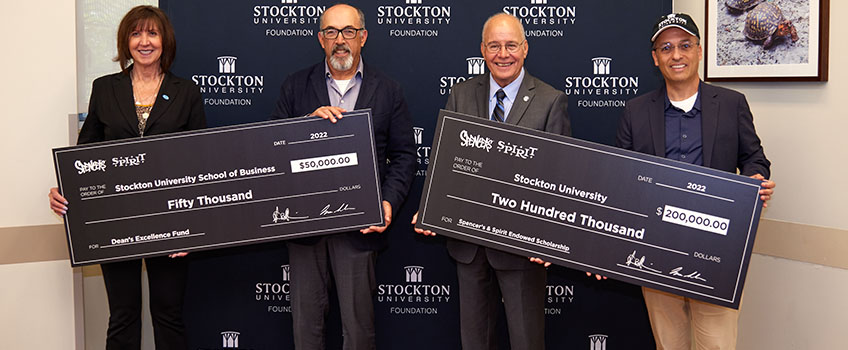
x,y
537,106
111,109
727,130
306,90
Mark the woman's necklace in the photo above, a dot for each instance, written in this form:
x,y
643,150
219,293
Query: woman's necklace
x,y
144,102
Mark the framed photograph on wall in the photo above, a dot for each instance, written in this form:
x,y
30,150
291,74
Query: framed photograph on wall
x,y
766,40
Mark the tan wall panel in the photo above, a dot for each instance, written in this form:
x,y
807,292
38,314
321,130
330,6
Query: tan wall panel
x,y
24,244
807,243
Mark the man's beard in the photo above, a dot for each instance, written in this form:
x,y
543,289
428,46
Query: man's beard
x,y
341,64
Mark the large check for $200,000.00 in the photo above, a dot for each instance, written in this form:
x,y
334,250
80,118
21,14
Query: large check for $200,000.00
x,y
655,222
219,187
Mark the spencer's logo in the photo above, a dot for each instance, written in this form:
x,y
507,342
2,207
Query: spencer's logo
x,y
89,166
475,141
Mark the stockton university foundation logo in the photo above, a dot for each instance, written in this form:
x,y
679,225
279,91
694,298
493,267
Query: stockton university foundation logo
x,y
413,296
224,87
413,18
285,272
413,273
227,64
601,89
602,65
476,65
230,339
418,134
598,342
287,18
541,19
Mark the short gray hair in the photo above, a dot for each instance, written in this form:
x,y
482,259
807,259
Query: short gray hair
x,y
358,11
499,14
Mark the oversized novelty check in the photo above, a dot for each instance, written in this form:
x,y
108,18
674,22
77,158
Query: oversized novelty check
x,y
655,222
219,187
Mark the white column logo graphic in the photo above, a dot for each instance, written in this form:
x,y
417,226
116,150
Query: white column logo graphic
x,y
285,270
476,65
227,64
230,339
413,273
419,134
598,342
602,65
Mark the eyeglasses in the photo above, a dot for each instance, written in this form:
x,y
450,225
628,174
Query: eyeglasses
x,y
511,47
347,32
668,48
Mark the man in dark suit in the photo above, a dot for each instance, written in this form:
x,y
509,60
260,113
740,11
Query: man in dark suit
x,y
340,83
693,122
486,276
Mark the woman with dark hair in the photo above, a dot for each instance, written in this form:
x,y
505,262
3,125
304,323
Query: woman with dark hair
x,y
143,99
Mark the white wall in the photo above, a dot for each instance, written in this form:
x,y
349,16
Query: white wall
x,y
790,304
37,94
802,127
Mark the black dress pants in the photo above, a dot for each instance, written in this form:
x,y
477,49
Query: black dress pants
x,y
167,281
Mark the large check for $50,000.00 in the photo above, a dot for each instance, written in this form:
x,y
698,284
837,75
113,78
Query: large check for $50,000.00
x,y
651,221
219,187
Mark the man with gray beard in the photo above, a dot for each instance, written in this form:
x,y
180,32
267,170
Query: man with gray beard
x,y
340,83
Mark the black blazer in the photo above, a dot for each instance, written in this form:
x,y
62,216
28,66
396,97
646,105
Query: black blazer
x,y
306,90
111,109
727,130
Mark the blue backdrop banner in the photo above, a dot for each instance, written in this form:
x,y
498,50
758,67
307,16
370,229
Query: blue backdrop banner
x,y
239,53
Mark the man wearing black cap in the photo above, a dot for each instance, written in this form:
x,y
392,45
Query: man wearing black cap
x,y
693,122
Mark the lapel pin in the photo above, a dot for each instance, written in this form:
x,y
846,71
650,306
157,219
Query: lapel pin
x,y
526,98
168,98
